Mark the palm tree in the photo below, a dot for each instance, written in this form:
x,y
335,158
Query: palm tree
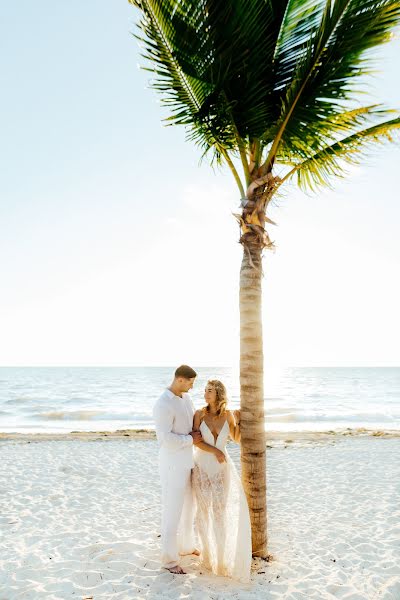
x,y
257,84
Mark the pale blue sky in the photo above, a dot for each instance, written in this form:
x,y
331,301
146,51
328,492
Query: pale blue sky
x,y
118,249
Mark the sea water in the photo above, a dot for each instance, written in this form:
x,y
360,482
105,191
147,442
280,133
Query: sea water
x,y
62,399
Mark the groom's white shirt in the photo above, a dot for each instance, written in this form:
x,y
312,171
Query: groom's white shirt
x,y
173,418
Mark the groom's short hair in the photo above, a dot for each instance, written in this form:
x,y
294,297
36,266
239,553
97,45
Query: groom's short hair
x,y
186,372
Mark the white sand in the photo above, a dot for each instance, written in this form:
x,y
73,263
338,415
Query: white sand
x,y
80,519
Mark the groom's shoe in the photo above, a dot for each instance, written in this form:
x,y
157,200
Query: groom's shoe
x,y
177,570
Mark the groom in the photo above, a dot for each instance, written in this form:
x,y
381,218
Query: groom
x,y
173,416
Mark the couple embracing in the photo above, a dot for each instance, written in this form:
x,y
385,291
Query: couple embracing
x,y
202,495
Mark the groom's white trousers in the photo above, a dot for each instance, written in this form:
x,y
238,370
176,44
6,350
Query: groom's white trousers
x,y
177,534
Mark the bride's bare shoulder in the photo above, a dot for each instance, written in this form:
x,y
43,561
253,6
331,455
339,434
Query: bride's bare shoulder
x,y
229,416
199,415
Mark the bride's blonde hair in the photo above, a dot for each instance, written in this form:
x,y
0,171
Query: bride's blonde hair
x,y
221,397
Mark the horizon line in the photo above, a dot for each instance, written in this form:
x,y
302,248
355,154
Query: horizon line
x,y
163,366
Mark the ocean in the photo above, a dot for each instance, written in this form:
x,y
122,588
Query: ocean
x,y
63,399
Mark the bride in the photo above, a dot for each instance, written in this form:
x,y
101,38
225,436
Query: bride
x,y
222,518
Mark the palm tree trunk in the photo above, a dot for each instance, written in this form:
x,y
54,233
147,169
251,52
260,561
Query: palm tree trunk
x,y
253,443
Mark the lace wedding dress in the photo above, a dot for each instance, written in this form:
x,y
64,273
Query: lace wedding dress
x,y
222,518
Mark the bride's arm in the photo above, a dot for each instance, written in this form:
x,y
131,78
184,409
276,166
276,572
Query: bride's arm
x,y
234,425
203,445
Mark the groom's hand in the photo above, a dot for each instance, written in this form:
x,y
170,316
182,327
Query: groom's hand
x,y
196,435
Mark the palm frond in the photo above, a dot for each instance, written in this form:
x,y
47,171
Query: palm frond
x,y
175,51
182,92
324,78
266,81
300,24
325,132
213,63
318,169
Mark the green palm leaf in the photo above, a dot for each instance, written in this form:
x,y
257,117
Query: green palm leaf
x,y
324,79
206,65
318,169
268,81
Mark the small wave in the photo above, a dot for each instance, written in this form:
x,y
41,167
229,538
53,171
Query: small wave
x,y
19,400
282,410
350,417
281,418
78,415
273,399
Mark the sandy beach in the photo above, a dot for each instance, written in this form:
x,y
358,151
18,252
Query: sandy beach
x,y
80,519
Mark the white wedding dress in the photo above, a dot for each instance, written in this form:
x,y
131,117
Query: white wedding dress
x,y
222,518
